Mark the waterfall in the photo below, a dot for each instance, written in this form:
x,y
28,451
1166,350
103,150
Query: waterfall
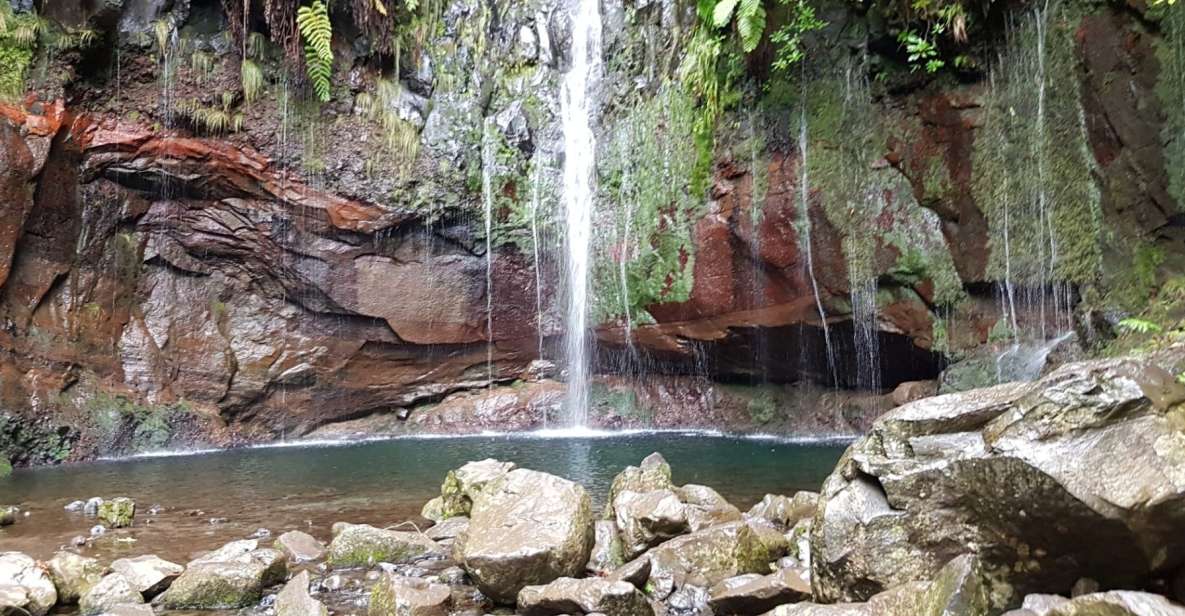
x,y
536,201
579,185
488,161
804,194
865,337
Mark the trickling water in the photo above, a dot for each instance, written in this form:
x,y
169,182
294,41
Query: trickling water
x,y
536,201
579,185
864,332
805,233
625,250
488,161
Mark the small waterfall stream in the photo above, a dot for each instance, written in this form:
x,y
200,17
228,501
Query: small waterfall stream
x,y
488,161
804,194
579,189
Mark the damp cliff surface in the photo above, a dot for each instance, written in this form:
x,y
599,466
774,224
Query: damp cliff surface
x,y
183,264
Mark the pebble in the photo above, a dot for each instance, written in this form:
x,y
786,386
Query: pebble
x,y
219,520
79,541
261,533
98,530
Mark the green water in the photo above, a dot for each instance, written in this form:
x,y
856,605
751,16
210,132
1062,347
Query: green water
x,y
381,482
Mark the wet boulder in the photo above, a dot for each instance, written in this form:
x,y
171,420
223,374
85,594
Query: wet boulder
x,y
231,577
448,529
586,596
150,574
362,545
295,599
117,512
756,594
704,507
785,511
25,577
607,553
73,575
462,486
8,515
526,528
395,595
646,519
1018,474
707,557
652,474
1112,603
114,589
300,547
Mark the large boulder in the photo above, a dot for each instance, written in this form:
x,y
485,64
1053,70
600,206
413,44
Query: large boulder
x,y
587,596
526,528
462,486
756,594
111,591
607,553
704,507
362,545
231,577
708,557
27,578
300,547
652,474
117,512
395,595
295,599
1113,603
648,518
150,574
1018,474
785,511
73,575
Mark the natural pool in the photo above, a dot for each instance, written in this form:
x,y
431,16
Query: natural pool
x,y
310,487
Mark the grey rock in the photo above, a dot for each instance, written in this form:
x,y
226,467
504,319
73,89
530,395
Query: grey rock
x,y
586,596
362,545
652,474
757,594
447,529
130,609
8,516
704,507
646,519
300,547
112,590
1118,603
92,506
73,575
295,599
607,552
20,571
403,596
526,528
636,572
462,486
230,577
150,575
708,557
1018,474
785,511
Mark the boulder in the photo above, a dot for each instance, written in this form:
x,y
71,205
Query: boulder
x,y
300,547
707,557
73,575
462,486
18,571
652,474
117,512
362,545
112,590
911,391
756,594
1116,603
295,599
149,574
648,518
230,577
607,552
785,511
91,507
8,515
395,595
526,528
704,507
1018,474
447,529
587,596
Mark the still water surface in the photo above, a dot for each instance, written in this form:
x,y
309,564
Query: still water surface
x,y
378,482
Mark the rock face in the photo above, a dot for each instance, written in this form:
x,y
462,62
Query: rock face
x,y
1018,475
527,528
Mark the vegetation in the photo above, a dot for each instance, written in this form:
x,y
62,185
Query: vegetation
x,y
314,26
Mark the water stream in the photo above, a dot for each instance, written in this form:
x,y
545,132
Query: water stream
x,y
804,194
580,145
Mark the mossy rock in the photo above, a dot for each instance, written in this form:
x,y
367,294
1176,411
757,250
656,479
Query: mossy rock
x,y
118,512
362,545
5,467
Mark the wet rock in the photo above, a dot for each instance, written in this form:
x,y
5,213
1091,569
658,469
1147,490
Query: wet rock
x,y
112,590
130,609
526,528
800,542
19,571
636,572
117,512
757,594
1116,603
447,529
150,575
911,391
295,599
91,507
75,506
300,547
689,600
704,507
652,474
98,530
646,519
230,577
73,575
707,557
586,596
362,545
785,511
462,486
403,596
607,552
1018,474
8,515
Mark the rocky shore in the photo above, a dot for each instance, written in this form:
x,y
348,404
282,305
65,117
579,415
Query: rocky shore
x,y
1064,497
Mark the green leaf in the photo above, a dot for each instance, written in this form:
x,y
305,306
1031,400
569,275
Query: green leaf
x,y
750,24
723,12
317,31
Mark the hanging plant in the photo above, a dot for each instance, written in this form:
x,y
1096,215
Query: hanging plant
x,y
315,28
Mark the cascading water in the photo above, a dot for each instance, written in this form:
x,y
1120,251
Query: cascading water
x,y
579,186
488,161
804,193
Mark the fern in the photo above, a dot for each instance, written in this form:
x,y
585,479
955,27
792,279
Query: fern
x,y
252,79
1139,326
315,28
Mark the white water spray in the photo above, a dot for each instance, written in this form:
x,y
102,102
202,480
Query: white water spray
x,y
579,187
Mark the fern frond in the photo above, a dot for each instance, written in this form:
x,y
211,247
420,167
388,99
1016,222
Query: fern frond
x,y
317,31
750,23
722,14
252,80
163,29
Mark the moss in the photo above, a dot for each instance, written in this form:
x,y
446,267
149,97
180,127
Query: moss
x,y
1170,88
122,425
14,61
5,467
620,401
762,408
